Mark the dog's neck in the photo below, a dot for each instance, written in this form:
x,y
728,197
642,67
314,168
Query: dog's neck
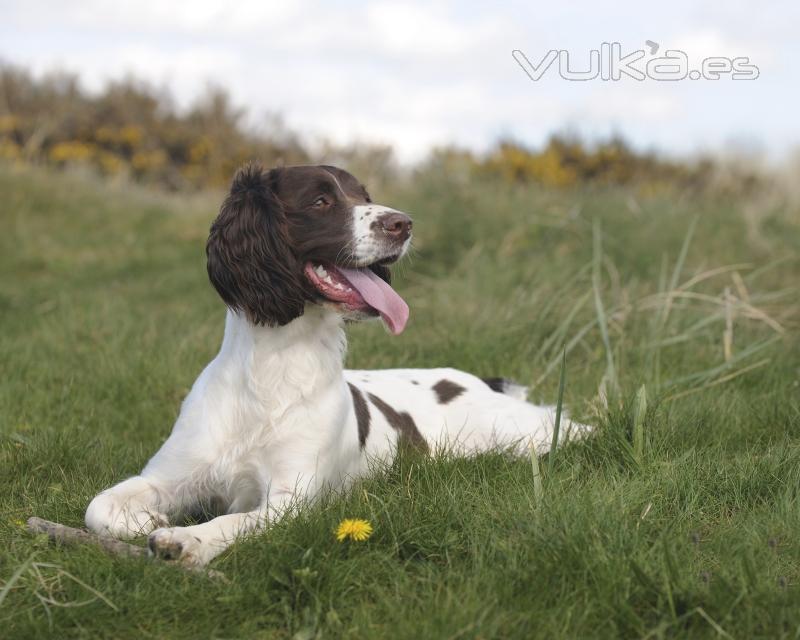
x,y
293,361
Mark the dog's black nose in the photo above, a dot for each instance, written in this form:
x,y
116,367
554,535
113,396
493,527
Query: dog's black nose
x,y
397,225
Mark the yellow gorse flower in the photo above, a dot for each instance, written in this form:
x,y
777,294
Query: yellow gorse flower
x,y
353,528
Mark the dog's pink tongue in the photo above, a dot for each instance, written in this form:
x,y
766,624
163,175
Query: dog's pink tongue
x,y
380,296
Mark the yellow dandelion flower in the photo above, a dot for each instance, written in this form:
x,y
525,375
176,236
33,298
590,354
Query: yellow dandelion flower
x,y
353,528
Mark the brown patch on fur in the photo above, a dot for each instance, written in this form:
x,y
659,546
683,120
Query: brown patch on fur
x,y
447,390
250,261
403,423
362,414
269,226
318,233
497,385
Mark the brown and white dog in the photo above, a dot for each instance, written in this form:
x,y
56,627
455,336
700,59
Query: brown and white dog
x,y
275,417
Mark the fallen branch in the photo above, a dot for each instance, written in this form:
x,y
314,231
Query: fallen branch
x,y
71,536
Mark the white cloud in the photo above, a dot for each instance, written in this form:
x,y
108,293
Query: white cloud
x,y
626,103
710,42
416,74
185,17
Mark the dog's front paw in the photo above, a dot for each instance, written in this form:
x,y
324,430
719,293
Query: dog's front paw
x,y
178,543
121,518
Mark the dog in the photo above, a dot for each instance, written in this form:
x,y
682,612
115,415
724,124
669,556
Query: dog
x,y
295,253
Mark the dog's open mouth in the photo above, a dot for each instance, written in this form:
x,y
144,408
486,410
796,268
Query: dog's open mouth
x,y
362,289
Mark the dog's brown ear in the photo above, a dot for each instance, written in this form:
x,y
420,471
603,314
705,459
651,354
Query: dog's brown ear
x,y
250,261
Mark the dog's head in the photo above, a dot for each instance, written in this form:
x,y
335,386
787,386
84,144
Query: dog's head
x,y
293,236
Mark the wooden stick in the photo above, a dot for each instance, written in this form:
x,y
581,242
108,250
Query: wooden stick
x,y
71,536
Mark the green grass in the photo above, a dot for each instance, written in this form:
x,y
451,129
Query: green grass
x,y
680,518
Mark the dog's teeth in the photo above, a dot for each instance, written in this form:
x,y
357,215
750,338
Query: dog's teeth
x,y
327,279
320,271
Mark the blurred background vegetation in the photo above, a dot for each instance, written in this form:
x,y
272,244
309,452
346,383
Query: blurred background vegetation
x,y
132,131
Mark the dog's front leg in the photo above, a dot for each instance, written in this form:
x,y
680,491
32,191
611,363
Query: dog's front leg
x,y
199,544
132,508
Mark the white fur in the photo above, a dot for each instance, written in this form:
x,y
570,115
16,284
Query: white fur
x,y
367,245
271,420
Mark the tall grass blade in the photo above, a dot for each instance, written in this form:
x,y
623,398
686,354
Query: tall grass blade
x,y
571,344
720,631
654,364
15,577
719,381
538,492
709,375
602,321
561,331
676,272
639,412
559,406
655,357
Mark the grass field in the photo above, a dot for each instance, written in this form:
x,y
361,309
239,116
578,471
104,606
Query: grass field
x,y
681,523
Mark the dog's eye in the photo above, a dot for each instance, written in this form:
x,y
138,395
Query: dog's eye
x,y
320,202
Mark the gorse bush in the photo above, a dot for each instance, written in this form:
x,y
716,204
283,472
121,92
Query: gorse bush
x,y
132,130
566,162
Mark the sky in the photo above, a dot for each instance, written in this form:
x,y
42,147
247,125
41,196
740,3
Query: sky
x,y
421,74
